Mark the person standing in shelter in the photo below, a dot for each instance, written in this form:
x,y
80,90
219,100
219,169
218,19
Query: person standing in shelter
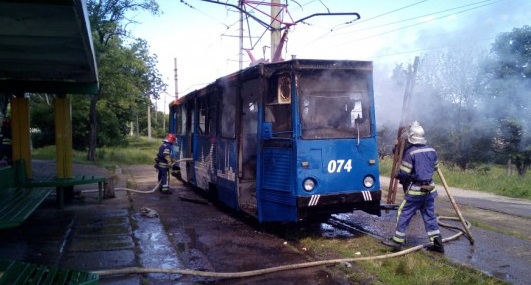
x,y
418,165
164,163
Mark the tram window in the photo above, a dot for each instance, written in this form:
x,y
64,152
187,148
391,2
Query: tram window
x,y
180,120
278,106
202,121
183,120
228,114
212,121
334,105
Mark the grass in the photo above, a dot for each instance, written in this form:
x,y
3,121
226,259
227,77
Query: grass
x,y
492,179
415,268
139,151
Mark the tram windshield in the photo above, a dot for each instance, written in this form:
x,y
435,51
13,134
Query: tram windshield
x,y
334,104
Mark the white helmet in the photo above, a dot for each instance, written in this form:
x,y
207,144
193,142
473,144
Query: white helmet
x,y
415,134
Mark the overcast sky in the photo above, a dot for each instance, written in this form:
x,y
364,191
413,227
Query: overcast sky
x,y
202,36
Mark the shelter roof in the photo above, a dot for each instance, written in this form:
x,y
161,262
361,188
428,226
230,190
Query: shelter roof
x,y
46,47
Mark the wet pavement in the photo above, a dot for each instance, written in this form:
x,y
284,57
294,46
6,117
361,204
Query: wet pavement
x,y
183,230
150,230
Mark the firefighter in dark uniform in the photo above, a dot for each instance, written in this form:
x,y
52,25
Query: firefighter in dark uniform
x,y
416,171
164,163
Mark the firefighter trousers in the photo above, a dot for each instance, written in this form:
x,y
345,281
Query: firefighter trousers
x,y
425,203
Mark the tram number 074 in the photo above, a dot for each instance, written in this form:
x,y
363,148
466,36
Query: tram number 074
x,y
339,165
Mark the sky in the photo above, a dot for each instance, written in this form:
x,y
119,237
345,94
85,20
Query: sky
x,y
202,37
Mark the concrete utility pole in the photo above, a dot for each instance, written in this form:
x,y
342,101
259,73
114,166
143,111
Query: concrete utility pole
x,y
149,117
175,74
275,32
240,54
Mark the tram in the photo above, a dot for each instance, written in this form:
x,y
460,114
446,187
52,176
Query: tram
x,y
283,142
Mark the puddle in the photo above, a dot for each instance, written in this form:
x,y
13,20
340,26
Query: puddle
x,y
156,250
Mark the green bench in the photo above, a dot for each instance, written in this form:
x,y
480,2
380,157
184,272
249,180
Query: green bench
x,y
19,196
16,272
16,204
60,183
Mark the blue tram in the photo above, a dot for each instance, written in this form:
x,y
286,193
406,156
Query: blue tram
x,y
286,141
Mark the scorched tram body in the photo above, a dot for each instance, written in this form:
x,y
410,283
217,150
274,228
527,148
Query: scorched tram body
x,y
288,141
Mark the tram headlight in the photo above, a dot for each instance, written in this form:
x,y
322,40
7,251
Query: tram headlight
x,y
368,181
308,184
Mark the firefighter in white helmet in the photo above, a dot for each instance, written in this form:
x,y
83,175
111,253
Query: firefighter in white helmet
x,y
416,171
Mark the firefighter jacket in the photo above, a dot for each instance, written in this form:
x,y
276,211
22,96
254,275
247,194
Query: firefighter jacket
x,y
164,155
418,165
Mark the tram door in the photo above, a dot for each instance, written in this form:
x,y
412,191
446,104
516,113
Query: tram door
x,y
276,199
247,147
186,148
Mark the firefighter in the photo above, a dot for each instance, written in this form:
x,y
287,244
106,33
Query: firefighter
x,y
416,176
164,162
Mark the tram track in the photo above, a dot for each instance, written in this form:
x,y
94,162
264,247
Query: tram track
x,y
350,227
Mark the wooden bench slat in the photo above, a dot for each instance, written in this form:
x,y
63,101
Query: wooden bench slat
x,y
16,272
39,274
19,197
18,204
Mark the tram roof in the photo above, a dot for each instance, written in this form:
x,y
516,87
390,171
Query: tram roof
x,y
46,47
268,69
303,64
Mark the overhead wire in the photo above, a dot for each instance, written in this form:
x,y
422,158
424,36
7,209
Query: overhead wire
x,y
414,18
423,49
205,14
416,24
413,25
377,16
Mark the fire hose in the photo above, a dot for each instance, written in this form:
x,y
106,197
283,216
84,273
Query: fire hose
x,y
139,270
138,191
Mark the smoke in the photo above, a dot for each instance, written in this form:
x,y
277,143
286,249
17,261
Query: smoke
x,y
454,89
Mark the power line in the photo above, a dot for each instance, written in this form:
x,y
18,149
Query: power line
x,y
415,18
205,14
424,49
409,26
377,16
416,24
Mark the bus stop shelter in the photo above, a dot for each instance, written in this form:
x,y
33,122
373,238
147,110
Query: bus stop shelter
x,y
45,47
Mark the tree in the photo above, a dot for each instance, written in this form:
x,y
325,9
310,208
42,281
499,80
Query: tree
x,y
449,99
151,81
510,95
108,22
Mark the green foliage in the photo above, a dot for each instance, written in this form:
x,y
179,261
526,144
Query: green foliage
x,y
475,107
42,120
386,140
509,93
479,177
127,71
139,151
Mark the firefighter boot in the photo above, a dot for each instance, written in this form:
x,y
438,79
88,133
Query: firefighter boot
x,y
397,246
437,245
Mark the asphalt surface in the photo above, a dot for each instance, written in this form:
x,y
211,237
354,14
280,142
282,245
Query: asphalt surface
x,y
183,230
149,229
